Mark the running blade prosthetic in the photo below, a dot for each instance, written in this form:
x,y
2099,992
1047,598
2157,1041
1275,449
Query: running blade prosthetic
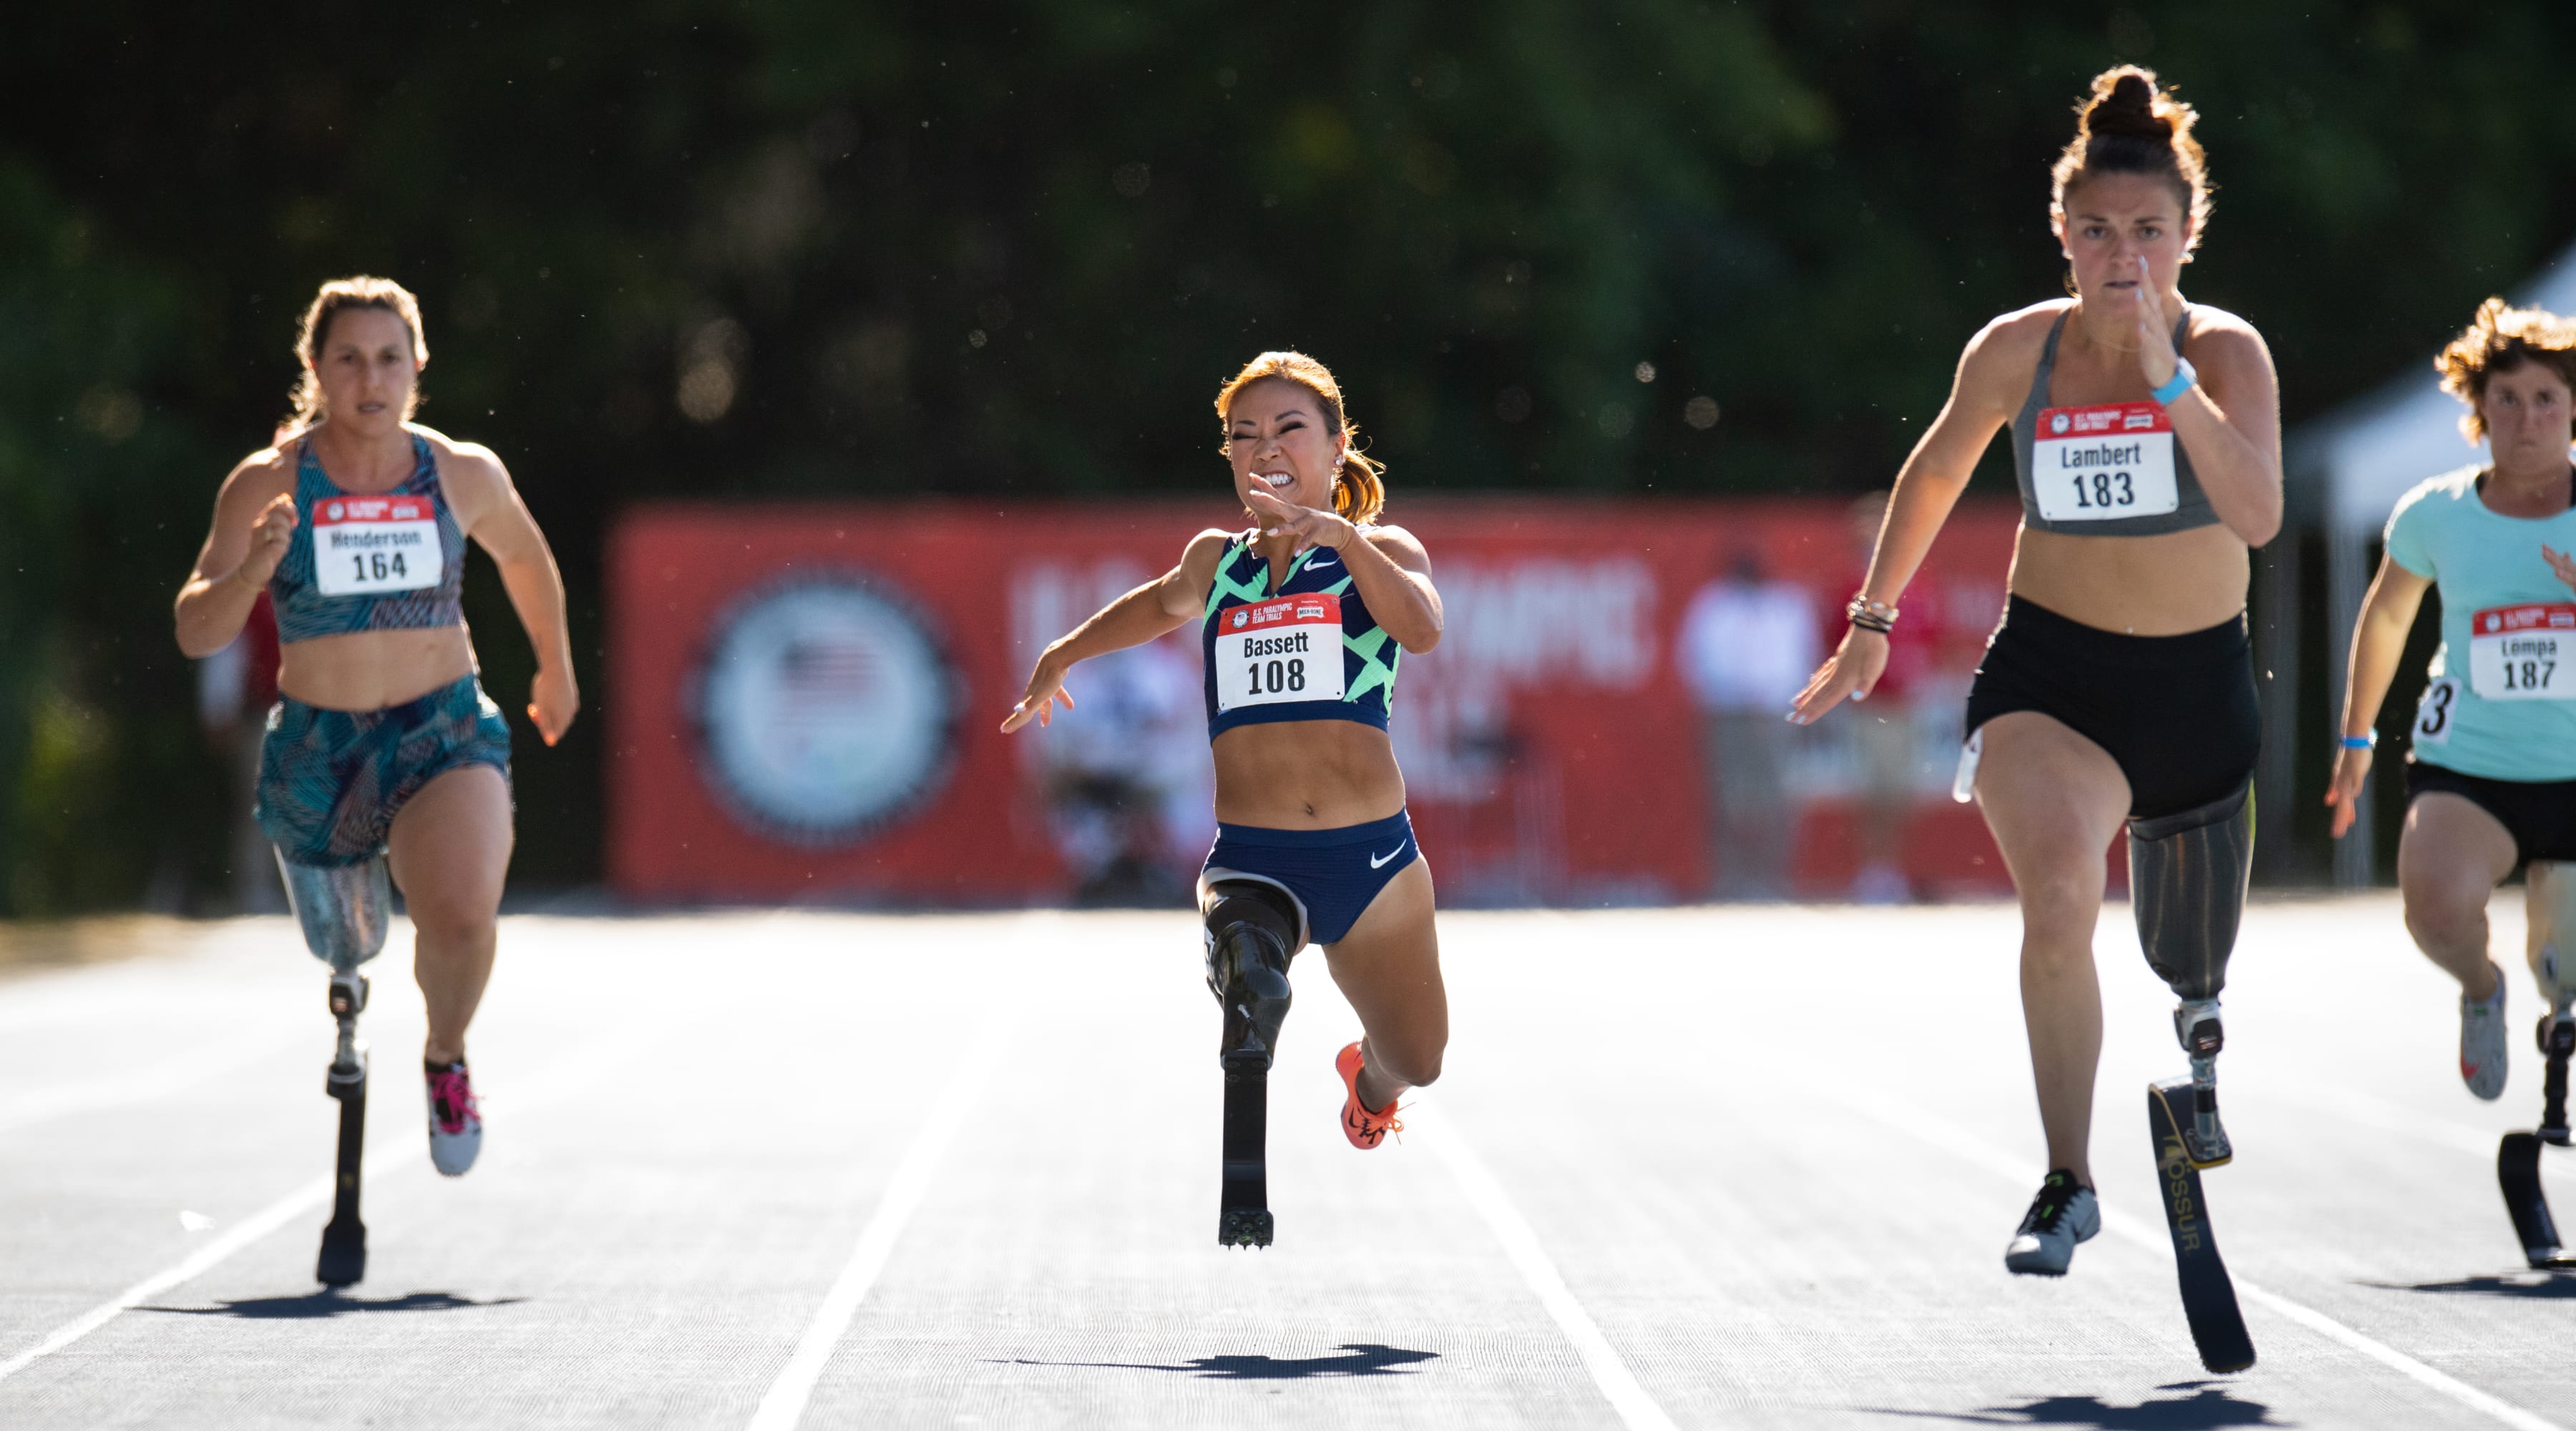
x,y
2208,1296
344,1239
2518,1156
1252,981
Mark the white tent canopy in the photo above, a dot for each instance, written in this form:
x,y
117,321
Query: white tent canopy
x,y
2346,471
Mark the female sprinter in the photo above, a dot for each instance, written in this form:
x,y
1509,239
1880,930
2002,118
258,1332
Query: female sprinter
x,y
382,740
1308,798
2491,773
2119,685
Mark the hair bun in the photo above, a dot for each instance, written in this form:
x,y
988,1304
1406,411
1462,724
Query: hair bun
x,y
2124,105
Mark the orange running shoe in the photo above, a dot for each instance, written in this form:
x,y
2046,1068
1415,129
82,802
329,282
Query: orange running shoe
x,y
1365,1129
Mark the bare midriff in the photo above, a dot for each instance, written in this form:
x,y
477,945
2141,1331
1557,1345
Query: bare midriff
x,y
2163,585
370,670
1306,775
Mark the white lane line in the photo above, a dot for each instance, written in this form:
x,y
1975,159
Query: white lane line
x,y
784,1406
556,1080
1975,1150
240,1235
1626,1394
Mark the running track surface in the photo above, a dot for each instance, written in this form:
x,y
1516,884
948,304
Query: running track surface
x,y
1698,1168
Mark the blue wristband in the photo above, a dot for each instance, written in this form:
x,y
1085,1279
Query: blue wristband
x,y
2360,742
2181,382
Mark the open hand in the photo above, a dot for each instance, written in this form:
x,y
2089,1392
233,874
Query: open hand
x,y
1045,692
1311,526
2561,565
2156,356
1853,670
2352,767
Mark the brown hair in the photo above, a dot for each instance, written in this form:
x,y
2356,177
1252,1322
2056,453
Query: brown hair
x,y
2128,126
337,297
2500,339
1359,488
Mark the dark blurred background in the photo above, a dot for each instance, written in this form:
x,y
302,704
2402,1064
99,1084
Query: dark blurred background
x,y
783,248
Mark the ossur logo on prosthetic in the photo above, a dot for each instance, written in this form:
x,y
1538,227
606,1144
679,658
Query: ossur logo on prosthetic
x,y
2514,651
366,545
1285,649
2096,464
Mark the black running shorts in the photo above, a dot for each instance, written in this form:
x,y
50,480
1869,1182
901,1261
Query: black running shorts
x,y
2539,814
2177,712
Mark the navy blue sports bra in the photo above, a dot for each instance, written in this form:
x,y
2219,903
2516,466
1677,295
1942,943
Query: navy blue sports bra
x,y
1308,651
383,562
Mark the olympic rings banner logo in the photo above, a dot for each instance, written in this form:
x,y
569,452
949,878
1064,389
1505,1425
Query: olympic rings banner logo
x,y
802,704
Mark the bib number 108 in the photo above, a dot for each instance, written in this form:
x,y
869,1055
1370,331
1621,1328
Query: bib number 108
x,y
1283,676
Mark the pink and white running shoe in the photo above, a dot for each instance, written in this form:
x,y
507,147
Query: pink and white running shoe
x,y
455,1124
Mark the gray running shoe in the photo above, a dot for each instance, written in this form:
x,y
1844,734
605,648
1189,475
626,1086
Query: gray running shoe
x,y
2482,1058
2064,1213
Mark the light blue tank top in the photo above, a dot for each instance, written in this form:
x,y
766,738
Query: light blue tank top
x,y
2502,702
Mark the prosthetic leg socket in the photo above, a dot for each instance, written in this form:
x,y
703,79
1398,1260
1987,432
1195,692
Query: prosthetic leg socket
x,y
1252,933
343,910
2187,877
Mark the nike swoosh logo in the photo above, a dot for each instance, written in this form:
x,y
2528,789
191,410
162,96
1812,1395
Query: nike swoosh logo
x,y
1378,862
1314,562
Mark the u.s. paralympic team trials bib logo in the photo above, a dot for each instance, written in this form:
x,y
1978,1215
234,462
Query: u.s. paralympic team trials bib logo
x,y
824,710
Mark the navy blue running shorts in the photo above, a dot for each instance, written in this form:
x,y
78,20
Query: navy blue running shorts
x,y
1332,874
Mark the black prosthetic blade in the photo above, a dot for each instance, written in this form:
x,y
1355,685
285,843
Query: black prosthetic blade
x,y
1243,1200
2518,1174
344,1238
2208,1296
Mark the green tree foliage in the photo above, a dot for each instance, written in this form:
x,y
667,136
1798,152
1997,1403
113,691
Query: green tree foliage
x,y
779,247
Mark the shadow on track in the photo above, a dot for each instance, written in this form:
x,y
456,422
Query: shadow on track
x,y
2542,1285
2208,1408
1358,1359
332,1304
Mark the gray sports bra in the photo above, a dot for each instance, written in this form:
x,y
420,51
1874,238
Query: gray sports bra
x,y
2098,486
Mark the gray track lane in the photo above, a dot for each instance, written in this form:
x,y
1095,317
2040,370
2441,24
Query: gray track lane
x,y
1715,1122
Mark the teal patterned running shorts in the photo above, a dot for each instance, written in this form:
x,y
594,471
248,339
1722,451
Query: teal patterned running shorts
x,y
331,782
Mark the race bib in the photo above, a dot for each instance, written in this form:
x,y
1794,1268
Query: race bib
x,y
2433,711
363,546
2098,464
2514,652
1285,649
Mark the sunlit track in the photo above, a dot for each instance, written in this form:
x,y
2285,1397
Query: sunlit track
x,y
1702,1168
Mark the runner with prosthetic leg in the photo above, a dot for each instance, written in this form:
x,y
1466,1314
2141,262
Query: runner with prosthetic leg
x,y
1302,620
2118,688
383,756
2491,759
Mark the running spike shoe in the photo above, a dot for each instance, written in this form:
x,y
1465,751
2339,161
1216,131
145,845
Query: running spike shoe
x,y
2064,1213
1365,1129
2482,1050
455,1123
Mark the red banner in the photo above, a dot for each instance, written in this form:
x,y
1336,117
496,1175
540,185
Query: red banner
x,y
806,702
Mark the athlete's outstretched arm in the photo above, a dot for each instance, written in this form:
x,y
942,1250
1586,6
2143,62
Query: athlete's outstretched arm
x,y
243,547
1160,605
1388,565
1927,487
2378,643
488,507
